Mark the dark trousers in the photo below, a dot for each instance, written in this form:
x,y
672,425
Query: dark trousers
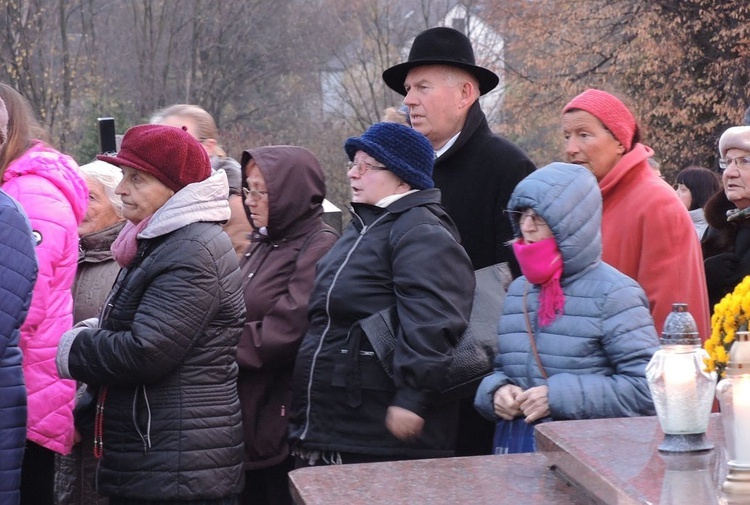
x,y
475,433
268,486
37,475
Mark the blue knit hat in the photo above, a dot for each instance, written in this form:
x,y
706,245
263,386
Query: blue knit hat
x,y
404,151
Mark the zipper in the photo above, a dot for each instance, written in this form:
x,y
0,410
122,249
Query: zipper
x,y
308,393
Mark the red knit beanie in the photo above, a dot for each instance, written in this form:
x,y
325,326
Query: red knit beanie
x,y
170,154
608,109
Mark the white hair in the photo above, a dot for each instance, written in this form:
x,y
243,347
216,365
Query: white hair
x,y
110,176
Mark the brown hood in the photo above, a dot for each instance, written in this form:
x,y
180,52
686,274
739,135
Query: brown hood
x,y
296,187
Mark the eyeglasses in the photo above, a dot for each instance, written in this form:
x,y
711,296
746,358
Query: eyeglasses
x,y
742,162
363,166
253,194
519,217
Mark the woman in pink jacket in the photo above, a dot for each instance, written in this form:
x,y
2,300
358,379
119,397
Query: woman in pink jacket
x,y
54,195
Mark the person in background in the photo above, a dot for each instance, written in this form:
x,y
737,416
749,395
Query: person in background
x,y
694,186
17,276
397,115
644,224
589,325
53,194
201,125
475,170
284,188
161,358
97,268
726,245
96,274
399,251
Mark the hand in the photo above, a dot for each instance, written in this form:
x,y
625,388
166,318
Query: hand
x,y
403,424
505,403
534,403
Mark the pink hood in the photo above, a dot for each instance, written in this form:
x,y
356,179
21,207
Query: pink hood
x,y
54,195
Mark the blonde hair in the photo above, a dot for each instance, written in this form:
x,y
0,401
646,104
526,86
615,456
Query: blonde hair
x,y
204,122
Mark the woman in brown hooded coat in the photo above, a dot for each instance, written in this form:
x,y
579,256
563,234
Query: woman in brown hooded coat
x,y
284,187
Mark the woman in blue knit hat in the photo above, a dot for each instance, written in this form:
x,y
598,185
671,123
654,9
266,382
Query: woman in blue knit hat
x,y
400,251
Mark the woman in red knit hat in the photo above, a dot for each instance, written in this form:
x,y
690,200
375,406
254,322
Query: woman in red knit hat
x,y
647,233
160,360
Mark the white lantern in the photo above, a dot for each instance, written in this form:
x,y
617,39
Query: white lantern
x,y
734,396
682,390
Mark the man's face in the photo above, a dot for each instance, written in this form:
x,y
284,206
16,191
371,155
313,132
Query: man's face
x,y
437,104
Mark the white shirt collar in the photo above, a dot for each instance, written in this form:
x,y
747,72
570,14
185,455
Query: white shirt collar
x,y
447,145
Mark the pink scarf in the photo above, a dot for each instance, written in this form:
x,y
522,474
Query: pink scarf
x,y
125,246
541,263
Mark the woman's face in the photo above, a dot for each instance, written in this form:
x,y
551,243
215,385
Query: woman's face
x,y
100,213
533,227
589,143
684,194
736,180
256,199
142,194
371,181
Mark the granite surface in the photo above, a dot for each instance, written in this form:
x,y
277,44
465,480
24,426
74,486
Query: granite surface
x,y
617,461
498,480
609,461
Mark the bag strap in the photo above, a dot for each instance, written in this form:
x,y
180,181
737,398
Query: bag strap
x,y
532,341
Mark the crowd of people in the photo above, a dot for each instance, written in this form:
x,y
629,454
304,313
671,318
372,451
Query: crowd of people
x,y
181,327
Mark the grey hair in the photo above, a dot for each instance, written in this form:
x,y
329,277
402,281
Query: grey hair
x,y
454,76
110,176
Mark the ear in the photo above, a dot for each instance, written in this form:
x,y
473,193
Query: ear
x,y
620,148
468,94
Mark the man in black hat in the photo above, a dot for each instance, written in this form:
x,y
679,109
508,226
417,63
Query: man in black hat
x,y
475,170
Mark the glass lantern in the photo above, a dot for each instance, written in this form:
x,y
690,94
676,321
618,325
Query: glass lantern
x,y
733,393
683,392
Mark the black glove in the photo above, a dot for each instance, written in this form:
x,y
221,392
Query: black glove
x,y
723,272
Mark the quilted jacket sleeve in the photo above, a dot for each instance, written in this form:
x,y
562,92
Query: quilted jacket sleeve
x,y
180,299
629,340
17,275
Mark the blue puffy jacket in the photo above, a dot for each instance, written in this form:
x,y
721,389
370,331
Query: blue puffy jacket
x,y
596,352
17,276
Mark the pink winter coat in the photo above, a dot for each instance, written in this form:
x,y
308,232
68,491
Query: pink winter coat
x,y
54,195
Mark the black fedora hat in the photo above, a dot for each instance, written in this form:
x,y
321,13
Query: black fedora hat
x,y
440,46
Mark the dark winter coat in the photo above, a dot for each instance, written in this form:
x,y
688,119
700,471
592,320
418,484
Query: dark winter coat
x,y
278,271
18,271
96,273
476,177
726,248
166,353
406,254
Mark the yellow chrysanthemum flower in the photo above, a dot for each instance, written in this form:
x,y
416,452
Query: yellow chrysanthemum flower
x,y
730,315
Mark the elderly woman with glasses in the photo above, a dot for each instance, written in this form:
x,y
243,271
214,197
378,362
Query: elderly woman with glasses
x,y
576,334
726,245
284,188
400,251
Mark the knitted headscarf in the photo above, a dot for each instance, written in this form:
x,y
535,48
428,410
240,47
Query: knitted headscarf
x,y
542,264
608,109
